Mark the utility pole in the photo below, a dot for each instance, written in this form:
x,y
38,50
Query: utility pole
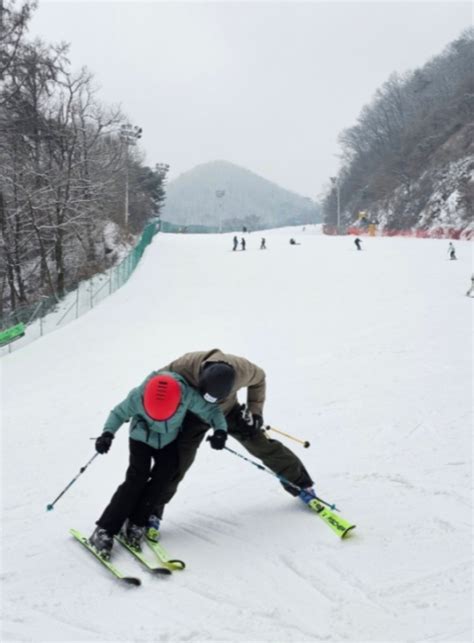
x,y
335,182
220,194
129,135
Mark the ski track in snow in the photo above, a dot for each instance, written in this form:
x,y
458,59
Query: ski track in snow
x,y
368,356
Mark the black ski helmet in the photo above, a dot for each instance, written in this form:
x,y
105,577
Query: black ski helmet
x,y
216,380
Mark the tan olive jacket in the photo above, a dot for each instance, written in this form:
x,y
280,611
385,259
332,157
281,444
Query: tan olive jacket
x,y
247,375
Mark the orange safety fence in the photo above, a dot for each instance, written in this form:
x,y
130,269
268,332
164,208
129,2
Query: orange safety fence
x,y
441,232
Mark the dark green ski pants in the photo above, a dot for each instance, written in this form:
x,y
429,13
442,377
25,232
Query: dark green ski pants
x,y
273,454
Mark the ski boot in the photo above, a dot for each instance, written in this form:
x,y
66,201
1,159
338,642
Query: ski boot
x,y
102,542
307,494
133,535
152,531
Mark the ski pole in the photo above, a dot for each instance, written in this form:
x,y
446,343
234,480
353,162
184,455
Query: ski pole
x,y
280,478
51,505
305,443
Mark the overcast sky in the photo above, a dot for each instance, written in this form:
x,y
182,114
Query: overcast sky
x,y
266,85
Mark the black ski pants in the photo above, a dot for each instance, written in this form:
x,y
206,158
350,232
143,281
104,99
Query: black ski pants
x,y
272,453
135,497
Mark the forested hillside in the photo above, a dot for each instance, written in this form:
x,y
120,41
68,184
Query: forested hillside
x,y
66,161
408,162
227,196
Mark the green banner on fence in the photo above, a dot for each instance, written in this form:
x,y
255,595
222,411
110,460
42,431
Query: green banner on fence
x,y
10,334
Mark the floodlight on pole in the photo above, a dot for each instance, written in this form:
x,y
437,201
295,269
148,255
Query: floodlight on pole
x,y
129,134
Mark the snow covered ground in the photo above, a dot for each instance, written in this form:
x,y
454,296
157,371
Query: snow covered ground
x,y
368,356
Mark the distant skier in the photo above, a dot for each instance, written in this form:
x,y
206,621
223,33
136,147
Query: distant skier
x,y
358,243
294,243
451,251
470,292
219,376
235,242
263,244
157,409
242,243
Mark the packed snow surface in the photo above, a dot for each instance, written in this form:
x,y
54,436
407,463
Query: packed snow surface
x,y
367,355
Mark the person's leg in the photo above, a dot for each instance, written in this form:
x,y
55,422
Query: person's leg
x,y
276,457
128,493
164,470
187,443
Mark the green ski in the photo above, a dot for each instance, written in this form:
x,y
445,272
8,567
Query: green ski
x,y
154,568
130,580
163,556
338,524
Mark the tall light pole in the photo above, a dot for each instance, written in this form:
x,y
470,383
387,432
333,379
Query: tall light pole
x,y
220,194
335,182
129,135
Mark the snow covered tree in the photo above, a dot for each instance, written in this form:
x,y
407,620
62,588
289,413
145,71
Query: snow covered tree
x,y
61,171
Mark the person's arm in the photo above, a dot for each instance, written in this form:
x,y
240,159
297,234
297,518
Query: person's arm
x,y
122,412
117,416
255,381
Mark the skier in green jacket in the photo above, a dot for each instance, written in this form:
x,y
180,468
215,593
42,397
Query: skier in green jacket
x,y
157,409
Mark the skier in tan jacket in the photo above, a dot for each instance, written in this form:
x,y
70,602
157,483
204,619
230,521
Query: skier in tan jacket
x,y
219,376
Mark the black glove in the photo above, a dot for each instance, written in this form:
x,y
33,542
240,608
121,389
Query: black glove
x,y
243,422
104,442
257,421
218,439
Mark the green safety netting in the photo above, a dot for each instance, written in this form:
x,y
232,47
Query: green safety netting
x,y
83,297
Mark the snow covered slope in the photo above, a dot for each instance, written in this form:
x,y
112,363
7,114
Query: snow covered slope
x,y
368,356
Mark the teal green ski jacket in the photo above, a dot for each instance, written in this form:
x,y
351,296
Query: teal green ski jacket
x,y
159,434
